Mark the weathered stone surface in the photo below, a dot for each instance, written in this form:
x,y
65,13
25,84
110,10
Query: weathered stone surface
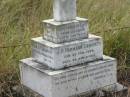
x,y
70,81
118,90
59,32
66,61
58,56
114,88
64,10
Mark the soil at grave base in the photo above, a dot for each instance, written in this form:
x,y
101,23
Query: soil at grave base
x,y
8,80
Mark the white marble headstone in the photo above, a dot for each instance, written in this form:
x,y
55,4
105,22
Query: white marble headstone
x,y
64,10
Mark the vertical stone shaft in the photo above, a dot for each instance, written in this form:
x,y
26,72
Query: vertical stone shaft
x,y
64,10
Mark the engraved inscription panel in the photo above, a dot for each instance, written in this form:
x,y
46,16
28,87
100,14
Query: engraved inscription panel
x,y
69,81
70,54
43,53
65,32
79,53
84,79
95,72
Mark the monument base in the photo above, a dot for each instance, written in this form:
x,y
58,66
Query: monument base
x,y
61,32
68,81
58,56
109,91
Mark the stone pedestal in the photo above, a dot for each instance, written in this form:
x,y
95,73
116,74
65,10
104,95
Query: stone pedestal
x,y
60,32
70,81
66,60
58,56
113,90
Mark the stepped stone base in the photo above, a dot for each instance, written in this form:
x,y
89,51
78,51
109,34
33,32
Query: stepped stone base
x,y
60,32
69,81
108,91
58,56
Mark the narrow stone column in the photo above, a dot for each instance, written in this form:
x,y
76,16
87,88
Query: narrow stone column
x,y
64,10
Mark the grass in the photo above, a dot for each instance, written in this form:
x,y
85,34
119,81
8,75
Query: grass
x,y
20,20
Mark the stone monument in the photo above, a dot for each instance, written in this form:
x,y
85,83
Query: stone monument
x,y
67,61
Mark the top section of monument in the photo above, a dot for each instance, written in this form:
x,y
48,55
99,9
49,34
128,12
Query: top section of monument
x,y
64,10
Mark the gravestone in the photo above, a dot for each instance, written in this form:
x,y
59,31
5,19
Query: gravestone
x,y
66,60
